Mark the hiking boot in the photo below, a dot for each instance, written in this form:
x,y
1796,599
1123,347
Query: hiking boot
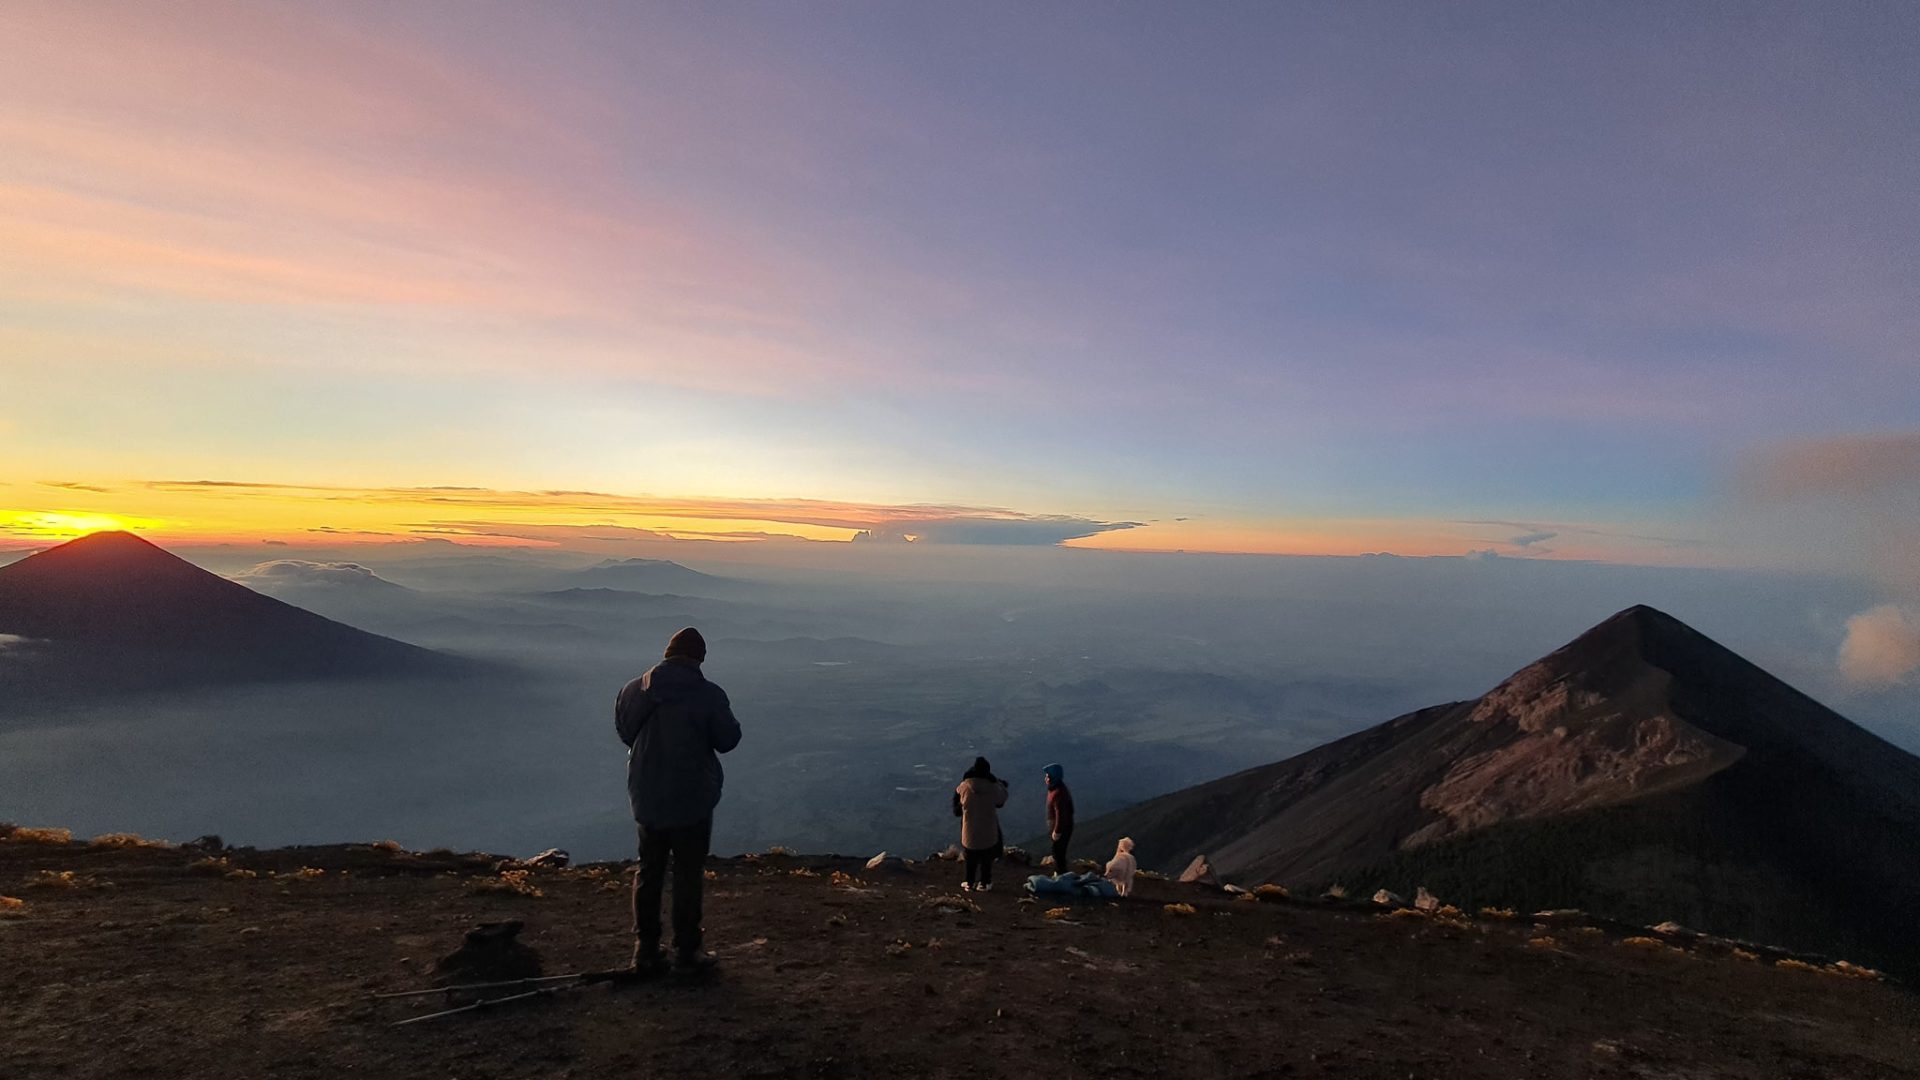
x,y
985,886
966,886
687,965
648,959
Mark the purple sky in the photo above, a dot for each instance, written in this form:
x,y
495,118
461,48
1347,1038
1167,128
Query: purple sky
x,y
1313,277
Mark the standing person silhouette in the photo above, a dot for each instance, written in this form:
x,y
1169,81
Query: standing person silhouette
x,y
977,802
1059,815
675,724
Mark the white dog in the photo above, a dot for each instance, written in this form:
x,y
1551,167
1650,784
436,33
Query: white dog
x,y
1121,870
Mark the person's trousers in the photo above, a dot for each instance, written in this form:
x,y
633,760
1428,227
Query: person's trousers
x,y
979,866
684,848
1060,852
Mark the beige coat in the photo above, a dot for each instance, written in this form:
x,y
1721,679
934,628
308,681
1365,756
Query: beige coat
x,y
980,803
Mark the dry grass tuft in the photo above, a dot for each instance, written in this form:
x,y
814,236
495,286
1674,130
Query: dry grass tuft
x,y
1272,892
801,871
1180,909
1497,913
1742,954
1448,911
1406,913
1059,912
844,880
1790,964
1545,941
1338,892
12,907
1643,942
1591,932
66,879
210,866
899,948
514,882
778,849
126,840
306,873
23,835
387,845
1149,875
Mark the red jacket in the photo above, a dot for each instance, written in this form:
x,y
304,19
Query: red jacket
x,y
1059,809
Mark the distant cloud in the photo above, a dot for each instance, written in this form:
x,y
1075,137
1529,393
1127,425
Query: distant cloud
x,y
1019,531
9,641
1853,500
1882,647
1532,536
302,573
675,518
1852,466
69,485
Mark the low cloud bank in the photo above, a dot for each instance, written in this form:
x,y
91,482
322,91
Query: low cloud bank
x,y
300,572
1039,531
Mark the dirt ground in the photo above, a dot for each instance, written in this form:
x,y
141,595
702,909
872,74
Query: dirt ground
x,y
143,966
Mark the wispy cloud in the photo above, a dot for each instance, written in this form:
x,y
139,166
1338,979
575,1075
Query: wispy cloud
x,y
563,515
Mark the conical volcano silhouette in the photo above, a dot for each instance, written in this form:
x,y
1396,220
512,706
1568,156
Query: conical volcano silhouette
x,y
115,607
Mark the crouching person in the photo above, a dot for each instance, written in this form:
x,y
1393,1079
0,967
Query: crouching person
x,y
675,724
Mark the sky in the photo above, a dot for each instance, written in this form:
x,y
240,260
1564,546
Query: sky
x,y
1543,280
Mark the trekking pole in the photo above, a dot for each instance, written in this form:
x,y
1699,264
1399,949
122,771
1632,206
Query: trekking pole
x,y
558,983
478,986
483,1003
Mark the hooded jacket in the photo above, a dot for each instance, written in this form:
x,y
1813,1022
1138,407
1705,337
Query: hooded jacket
x,y
675,724
980,799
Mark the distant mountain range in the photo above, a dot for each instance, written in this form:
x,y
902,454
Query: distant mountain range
x,y
112,611
1643,771
646,576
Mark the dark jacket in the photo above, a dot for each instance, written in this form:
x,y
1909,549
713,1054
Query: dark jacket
x,y
675,724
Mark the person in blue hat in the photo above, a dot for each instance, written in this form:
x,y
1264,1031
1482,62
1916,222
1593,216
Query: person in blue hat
x,y
1059,815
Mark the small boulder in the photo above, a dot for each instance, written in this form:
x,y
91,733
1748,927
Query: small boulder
x,y
491,952
1389,899
885,863
209,843
1199,872
552,857
1425,900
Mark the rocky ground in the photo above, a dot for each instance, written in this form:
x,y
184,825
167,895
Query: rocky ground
x,y
165,962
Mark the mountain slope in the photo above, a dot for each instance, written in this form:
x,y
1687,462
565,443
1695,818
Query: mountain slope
x,y
111,610
1642,764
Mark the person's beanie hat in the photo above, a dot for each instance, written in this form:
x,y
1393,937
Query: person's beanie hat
x,y
688,643
1054,773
